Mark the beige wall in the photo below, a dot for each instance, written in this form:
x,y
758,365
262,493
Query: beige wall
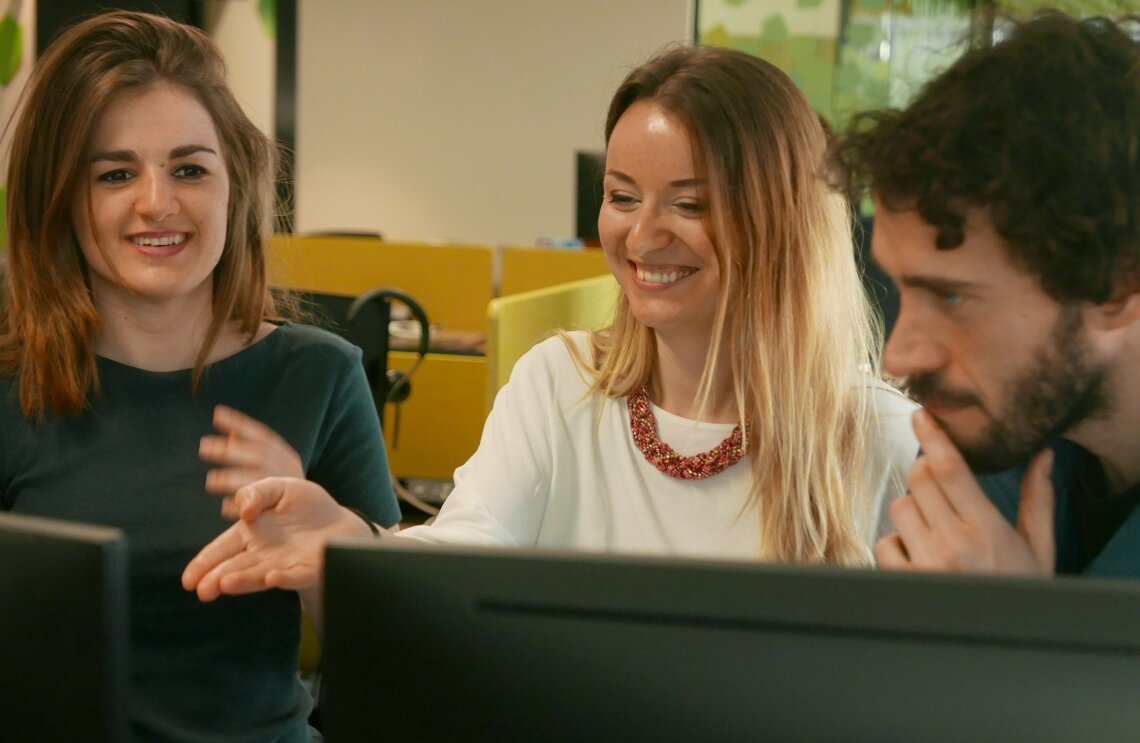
x,y
25,13
251,57
454,119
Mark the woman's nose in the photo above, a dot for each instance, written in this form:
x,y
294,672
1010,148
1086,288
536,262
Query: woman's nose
x,y
156,199
649,232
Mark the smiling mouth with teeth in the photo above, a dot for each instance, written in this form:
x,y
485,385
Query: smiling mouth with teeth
x,y
663,277
158,242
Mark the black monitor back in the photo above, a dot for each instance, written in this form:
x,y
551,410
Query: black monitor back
x,y
63,631
437,644
589,172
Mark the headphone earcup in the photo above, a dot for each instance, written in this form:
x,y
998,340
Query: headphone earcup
x,y
391,386
399,386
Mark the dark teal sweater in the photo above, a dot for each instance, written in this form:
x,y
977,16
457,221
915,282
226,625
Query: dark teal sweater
x,y
224,671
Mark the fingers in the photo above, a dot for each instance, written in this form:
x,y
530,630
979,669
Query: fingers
x,y
294,578
277,543
243,573
234,450
891,554
220,569
950,473
922,516
931,501
946,522
243,452
231,479
225,546
244,440
250,447
235,423
250,572
1035,511
230,509
264,495
913,533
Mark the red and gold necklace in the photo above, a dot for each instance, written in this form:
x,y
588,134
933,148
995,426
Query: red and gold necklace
x,y
697,467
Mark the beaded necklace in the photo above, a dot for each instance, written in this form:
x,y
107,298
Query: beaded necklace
x,y
697,467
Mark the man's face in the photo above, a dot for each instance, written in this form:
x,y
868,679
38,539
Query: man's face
x,y
1000,364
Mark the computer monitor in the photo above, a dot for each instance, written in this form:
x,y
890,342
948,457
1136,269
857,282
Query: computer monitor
x,y
589,171
427,643
63,631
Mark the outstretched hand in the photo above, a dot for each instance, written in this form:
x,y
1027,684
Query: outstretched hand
x,y
946,522
278,541
247,451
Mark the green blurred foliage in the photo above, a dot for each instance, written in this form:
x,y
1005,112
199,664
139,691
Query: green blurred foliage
x,y
1072,7
267,11
11,48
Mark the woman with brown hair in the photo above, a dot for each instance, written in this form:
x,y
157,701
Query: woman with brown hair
x,y
136,321
732,409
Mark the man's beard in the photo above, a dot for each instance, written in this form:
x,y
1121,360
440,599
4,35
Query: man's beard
x,y
1059,389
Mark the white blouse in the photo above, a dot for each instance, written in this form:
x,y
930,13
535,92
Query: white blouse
x,y
551,472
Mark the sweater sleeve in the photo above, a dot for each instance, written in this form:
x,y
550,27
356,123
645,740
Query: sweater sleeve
x,y
351,462
501,492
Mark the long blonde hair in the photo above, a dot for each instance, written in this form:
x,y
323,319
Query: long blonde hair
x,y
792,318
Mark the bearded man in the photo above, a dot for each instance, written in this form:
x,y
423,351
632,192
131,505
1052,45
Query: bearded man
x,y
1008,214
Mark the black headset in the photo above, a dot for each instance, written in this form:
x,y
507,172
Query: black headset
x,y
390,385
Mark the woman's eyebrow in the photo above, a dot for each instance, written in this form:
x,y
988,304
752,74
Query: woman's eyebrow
x,y
126,156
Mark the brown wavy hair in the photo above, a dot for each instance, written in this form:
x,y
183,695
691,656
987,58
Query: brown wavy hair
x,y
49,323
791,313
1041,130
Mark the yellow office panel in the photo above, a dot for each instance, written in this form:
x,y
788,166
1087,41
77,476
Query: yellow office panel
x,y
517,322
309,655
525,269
442,420
453,283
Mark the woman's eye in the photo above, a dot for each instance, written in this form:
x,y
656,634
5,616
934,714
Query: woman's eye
x,y
114,176
190,171
694,208
620,200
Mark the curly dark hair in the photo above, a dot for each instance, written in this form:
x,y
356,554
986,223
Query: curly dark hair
x,y
1042,130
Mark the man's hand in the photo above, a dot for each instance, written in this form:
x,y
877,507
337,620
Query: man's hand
x,y
946,523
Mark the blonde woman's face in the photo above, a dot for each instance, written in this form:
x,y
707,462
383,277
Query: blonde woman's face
x,y
652,224
159,193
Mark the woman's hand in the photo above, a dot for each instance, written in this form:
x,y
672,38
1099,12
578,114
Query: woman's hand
x,y
247,451
278,542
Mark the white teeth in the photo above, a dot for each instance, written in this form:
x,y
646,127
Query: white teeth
x,y
157,242
662,277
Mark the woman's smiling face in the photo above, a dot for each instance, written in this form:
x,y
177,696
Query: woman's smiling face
x,y
652,223
159,194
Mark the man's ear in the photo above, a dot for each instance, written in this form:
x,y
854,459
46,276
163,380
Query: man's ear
x,y
1122,308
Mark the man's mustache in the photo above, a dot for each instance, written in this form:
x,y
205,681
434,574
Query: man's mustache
x,y
929,390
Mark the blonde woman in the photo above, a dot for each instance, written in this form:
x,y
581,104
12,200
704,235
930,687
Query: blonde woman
x,y
732,409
